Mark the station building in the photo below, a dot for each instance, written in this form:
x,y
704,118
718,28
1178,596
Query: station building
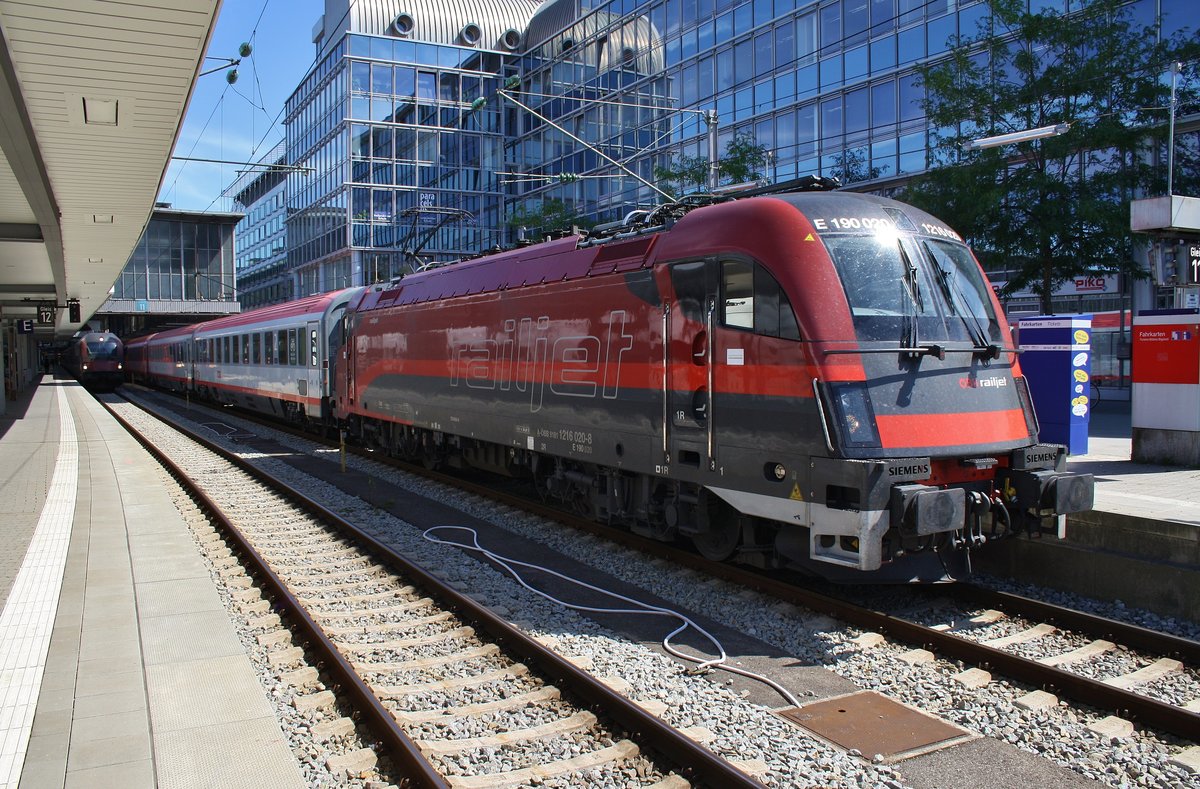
x,y
180,272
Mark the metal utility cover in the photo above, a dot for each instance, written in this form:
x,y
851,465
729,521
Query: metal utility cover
x,y
874,724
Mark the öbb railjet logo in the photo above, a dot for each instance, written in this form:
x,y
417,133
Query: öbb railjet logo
x,y
973,381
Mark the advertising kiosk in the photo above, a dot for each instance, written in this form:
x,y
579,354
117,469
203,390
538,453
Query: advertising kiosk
x,y
1166,387
1057,361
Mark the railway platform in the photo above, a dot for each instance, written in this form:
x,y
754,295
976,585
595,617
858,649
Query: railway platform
x,y
118,664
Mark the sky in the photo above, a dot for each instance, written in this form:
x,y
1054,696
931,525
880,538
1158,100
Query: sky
x,y
240,122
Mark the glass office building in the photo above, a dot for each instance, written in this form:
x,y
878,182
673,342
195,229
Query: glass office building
x,y
412,145
400,126
181,256
827,87
261,266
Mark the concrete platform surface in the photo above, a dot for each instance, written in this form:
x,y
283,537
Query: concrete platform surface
x,y
118,663
1168,493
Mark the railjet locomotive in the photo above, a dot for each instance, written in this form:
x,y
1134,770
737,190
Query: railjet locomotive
x,y
815,380
96,359
822,380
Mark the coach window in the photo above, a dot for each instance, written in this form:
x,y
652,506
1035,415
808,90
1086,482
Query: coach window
x,y
269,347
281,346
227,350
293,348
245,349
752,299
256,344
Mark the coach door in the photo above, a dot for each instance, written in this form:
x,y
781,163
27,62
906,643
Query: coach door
x,y
310,381
690,323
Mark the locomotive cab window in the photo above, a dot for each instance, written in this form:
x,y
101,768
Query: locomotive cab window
x,y
752,299
911,290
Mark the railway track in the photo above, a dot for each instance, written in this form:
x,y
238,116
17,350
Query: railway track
x,y
458,696
1050,648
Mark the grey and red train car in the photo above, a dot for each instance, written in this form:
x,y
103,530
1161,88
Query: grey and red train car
x,y
816,380
275,360
96,359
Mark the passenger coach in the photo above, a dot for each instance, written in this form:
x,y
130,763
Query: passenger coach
x,y
275,359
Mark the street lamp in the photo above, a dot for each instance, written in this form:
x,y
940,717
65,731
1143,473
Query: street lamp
x,y
1015,137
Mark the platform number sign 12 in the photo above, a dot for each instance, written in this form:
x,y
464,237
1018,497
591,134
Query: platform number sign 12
x,y
1194,262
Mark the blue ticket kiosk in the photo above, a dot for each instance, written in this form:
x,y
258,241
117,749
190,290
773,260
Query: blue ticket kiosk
x,y
1057,362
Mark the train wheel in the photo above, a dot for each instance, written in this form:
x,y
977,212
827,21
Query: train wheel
x,y
722,529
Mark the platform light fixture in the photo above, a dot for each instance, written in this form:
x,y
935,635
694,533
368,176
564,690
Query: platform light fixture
x,y
1027,135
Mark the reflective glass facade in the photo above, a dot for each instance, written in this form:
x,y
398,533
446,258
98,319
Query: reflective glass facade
x,y
827,87
402,135
181,256
402,157
261,265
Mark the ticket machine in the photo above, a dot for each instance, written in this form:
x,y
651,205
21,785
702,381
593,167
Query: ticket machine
x,y
1057,361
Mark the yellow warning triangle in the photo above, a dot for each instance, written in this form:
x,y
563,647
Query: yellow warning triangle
x,y
796,494
809,237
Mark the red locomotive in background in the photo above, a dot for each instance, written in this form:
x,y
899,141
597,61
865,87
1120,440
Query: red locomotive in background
x,y
96,359
821,380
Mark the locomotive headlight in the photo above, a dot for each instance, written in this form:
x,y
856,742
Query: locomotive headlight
x,y
854,415
780,471
85,366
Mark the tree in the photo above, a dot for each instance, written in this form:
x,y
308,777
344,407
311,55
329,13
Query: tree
x,y
1054,208
741,162
851,165
550,216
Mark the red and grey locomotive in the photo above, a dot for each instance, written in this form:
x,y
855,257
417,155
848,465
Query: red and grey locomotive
x,y
96,359
817,380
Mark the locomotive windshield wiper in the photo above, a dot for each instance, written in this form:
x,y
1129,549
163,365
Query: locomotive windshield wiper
x,y
956,299
910,333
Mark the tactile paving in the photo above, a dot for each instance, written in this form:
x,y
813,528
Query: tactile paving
x,y
27,620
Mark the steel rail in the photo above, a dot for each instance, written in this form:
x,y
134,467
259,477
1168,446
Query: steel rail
x,y
1135,636
697,763
381,722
